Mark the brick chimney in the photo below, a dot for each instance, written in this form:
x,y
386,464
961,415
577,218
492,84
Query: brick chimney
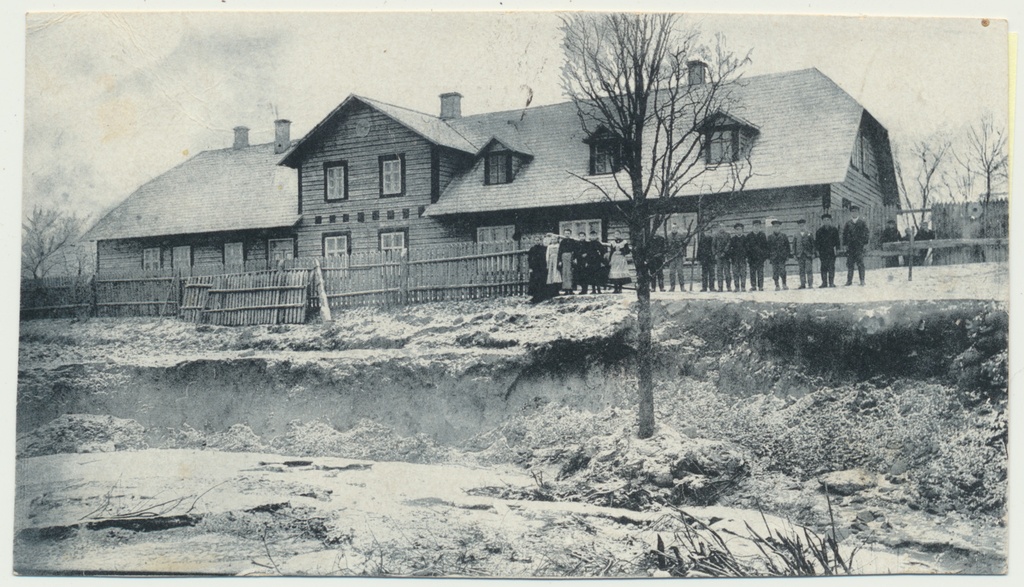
x,y
696,72
282,139
241,137
451,106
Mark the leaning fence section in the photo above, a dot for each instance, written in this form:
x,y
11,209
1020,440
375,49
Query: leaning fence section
x,y
247,299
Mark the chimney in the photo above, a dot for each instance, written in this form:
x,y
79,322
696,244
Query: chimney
x,y
282,139
241,137
451,106
696,72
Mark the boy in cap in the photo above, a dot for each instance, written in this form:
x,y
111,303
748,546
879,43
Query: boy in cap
x,y
738,257
803,250
757,254
779,253
855,237
720,243
826,240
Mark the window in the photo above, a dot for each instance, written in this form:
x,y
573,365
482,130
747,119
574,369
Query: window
x,y
605,156
863,158
336,245
335,181
281,249
181,257
495,234
722,146
498,168
234,254
151,259
578,226
392,240
392,175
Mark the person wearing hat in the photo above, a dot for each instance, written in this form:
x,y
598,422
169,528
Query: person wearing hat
x,y
778,252
566,261
855,238
706,258
803,250
720,243
826,240
536,259
738,257
757,254
676,261
891,234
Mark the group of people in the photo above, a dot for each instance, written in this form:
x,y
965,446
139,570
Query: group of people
x,y
891,234
725,258
558,265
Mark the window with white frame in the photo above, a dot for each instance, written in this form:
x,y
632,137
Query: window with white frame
x,y
392,175
335,245
495,234
722,147
605,156
392,240
151,258
578,226
335,181
234,254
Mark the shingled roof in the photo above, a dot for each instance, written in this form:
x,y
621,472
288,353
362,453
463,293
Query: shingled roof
x,y
223,189
807,125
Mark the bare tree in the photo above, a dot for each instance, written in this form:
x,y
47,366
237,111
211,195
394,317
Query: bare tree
x,y
630,78
929,160
49,242
984,158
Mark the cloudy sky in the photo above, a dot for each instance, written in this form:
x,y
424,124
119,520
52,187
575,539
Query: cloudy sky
x,y
113,99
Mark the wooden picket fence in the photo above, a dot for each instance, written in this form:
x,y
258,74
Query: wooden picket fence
x,y
56,297
245,299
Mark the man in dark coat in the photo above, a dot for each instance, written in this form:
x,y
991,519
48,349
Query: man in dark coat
x,y
757,254
855,238
656,261
535,259
720,244
738,257
891,234
826,240
676,261
589,261
706,258
778,252
803,250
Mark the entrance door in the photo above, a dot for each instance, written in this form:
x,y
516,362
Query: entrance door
x,y
281,249
181,259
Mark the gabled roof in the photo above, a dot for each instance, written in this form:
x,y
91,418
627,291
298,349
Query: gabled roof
x,y
510,144
429,127
807,125
223,189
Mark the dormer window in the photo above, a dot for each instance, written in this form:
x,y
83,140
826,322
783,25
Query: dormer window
x,y
727,140
498,168
605,152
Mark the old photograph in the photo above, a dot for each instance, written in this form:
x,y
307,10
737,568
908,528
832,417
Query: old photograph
x,y
512,295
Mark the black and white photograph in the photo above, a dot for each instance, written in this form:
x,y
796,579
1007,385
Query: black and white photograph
x,y
510,294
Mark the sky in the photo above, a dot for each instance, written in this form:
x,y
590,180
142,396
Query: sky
x,y
114,99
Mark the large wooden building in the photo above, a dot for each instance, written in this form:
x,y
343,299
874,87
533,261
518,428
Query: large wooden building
x,y
374,176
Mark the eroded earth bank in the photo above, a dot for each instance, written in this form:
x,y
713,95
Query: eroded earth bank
x,y
497,438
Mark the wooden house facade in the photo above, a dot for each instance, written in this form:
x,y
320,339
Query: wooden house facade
x,y
374,176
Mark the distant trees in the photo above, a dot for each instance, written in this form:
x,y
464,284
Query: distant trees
x,y
972,167
50,243
645,87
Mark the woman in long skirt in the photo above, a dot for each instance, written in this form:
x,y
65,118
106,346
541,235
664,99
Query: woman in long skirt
x,y
554,281
618,273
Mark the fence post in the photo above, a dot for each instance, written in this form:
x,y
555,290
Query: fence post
x,y
94,308
321,292
403,277
910,258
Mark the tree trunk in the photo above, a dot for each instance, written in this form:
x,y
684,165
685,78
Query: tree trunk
x,y
644,346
